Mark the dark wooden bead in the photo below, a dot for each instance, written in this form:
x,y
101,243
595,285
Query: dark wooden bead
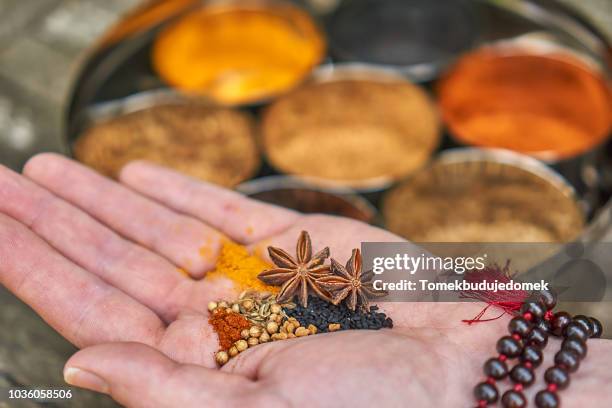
x,y
544,325
597,328
585,323
535,307
575,344
559,321
522,375
575,329
538,337
568,359
546,399
533,355
486,392
520,326
496,368
548,298
513,399
509,347
558,376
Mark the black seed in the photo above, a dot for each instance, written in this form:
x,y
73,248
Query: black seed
x,y
321,314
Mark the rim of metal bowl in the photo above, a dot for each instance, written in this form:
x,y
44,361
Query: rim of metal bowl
x,y
279,182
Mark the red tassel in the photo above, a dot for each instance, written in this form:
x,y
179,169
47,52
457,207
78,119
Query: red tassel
x,y
509,301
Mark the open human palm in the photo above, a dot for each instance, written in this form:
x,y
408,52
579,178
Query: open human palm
x,y
100,261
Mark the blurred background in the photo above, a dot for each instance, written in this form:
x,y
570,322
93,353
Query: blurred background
x,y
50,53
43,44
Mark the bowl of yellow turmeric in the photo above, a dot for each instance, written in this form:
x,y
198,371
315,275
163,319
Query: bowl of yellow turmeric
x,y
238,52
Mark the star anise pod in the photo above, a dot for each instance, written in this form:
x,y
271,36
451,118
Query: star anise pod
x,y
298,275
350,283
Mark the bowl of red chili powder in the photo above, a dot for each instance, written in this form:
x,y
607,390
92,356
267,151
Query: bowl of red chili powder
x,y
551,105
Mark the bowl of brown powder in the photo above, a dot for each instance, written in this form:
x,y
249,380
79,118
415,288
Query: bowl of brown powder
x,y
482,195
351,126
211,144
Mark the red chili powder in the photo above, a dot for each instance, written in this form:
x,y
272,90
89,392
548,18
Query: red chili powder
x,y
228,327
551,106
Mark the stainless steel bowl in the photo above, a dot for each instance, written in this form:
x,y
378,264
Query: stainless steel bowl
x,y
299,195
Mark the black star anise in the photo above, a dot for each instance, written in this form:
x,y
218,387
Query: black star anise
x,y
350,284
299,275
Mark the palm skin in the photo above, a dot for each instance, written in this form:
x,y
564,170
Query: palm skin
x,y
98,261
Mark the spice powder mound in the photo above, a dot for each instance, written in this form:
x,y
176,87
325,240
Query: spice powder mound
x,y
228,327
237,264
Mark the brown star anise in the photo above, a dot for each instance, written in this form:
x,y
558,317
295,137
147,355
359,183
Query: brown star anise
x,y
350,284
298,275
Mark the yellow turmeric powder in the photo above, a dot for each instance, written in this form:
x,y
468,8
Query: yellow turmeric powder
x,y
236,263
238,52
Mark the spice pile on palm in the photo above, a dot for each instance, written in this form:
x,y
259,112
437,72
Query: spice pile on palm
x,y
330,297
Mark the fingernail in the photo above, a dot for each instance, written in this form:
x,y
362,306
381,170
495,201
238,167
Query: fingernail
x,y
85,379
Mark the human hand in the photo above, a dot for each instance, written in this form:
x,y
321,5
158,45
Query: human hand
x,y
98,261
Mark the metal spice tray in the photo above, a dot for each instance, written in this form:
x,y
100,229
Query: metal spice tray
x,y
117,77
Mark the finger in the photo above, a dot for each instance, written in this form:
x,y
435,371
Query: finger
x,y
242,219
139,376
143,275
80,306
185,241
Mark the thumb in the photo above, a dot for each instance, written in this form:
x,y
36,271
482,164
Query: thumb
x,y
136,375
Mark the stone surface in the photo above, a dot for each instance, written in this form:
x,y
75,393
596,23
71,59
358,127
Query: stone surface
x,y
119,6
58,28
17,15
41,42
36,68
28,124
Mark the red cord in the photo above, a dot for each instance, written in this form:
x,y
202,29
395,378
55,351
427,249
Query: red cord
x,y
509,301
